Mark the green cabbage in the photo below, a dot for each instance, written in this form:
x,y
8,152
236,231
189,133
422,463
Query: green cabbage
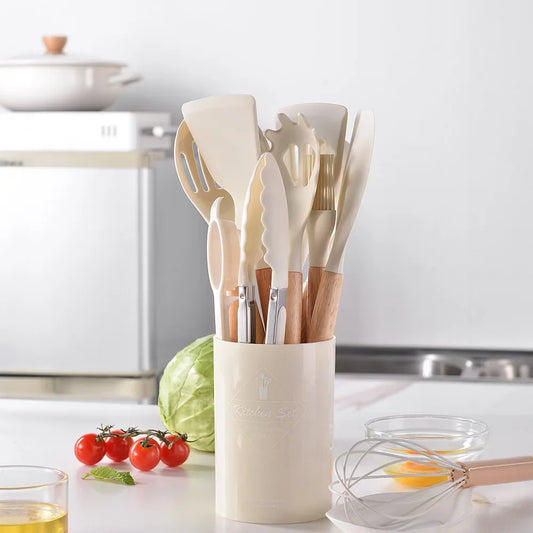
x,y
186,394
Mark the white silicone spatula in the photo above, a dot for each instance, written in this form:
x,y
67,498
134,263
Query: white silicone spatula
x,y
324,317
227,135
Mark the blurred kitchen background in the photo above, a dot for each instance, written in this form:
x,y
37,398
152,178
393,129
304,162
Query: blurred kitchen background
x,y
441,255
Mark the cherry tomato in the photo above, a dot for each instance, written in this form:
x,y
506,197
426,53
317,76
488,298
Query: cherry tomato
x,y
118,448
175,454
144,457
88,450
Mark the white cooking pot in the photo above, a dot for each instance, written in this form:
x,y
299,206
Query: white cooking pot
x,y
58,82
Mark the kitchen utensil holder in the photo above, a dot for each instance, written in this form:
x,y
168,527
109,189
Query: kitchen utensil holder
x,y
273,430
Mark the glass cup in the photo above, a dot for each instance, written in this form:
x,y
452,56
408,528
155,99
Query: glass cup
x,y
33,499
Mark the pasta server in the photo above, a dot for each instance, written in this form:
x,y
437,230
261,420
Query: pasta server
x,y
296,150
222,263
329,122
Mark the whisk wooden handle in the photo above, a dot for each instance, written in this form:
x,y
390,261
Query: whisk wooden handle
x,y
495,471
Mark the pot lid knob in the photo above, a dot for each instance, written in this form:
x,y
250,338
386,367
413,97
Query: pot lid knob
x,y
54,44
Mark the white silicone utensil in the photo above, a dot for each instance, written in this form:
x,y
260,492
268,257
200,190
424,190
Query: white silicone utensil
x,y
275,238
320,227
296,150
324,317
188,168
329,123
222,262
251,254
226,132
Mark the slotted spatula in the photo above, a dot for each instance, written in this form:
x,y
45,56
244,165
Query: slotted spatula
x,y
188,168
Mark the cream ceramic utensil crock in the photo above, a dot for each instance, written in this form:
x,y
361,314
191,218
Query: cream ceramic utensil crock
x,y
273,430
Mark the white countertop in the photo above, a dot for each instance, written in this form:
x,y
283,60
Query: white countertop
x,y
182,499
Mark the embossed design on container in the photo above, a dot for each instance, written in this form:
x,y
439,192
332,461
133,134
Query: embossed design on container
x,y
274,430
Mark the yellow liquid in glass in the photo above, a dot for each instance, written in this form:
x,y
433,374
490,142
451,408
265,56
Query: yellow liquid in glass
x,y
32,517
411,467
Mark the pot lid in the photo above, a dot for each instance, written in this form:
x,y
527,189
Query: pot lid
x,y
55,56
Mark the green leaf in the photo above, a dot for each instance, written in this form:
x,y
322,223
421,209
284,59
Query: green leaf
x,y
106,473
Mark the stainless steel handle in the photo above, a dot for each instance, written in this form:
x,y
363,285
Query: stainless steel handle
x,y
246,315
276,303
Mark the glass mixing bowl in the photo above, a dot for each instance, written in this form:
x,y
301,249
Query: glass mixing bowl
x,y
456,438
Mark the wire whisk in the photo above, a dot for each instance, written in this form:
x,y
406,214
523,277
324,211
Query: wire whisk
x,y
365,490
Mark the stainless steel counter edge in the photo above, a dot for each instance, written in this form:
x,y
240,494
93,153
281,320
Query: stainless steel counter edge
x,y
437,363
141,387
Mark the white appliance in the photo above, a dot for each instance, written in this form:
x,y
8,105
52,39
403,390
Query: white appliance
x,y
76,253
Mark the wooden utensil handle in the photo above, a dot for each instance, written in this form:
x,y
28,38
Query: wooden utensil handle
x,y
305,318
324,316
313,283
494,471
264,278
232,317
259,328
293,328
